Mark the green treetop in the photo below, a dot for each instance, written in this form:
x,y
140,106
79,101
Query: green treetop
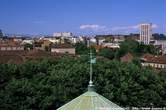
x,y
1,34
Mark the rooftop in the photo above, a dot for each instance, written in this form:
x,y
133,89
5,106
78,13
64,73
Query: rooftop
x,y
154,59
90,100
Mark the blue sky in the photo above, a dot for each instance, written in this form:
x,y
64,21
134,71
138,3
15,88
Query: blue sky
x,y
81,16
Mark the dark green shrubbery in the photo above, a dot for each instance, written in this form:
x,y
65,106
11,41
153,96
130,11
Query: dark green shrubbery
x,y
49,83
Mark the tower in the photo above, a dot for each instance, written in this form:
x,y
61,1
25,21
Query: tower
x,y
145,33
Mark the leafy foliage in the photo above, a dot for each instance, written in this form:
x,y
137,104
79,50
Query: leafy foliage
x,y
49,83
28,46
159,36
135,48
1,34
107,53
81,48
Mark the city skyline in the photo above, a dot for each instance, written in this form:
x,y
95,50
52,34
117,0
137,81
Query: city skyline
x,y
81,16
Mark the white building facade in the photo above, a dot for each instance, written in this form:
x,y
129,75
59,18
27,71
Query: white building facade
x,y
63,50
145,33
163,45
63,34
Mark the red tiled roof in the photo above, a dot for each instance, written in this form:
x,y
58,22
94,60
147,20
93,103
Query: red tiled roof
x,y
15,59
63,46
98,47
18,57
154,59
9,43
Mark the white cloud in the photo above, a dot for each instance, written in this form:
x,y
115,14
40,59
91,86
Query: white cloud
x,y
124,28
93,27
154,26
99,28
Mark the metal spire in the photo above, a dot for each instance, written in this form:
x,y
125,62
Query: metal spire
x,y
91,86
91,68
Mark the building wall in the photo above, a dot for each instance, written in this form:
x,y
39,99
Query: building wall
x,y
53,39
163,44
27,41
62,34
145,33
154,65
11,48
63,50
58,34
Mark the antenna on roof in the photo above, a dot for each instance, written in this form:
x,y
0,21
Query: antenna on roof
x,y
92,60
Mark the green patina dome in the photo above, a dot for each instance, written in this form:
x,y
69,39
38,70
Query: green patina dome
x,y
90,100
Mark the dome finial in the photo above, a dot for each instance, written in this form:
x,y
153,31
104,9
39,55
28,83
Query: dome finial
x,y
91,86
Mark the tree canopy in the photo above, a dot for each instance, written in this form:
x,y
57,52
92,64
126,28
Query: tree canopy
x,y
82,49
47,84
135,48
1,34
107,53
159,36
